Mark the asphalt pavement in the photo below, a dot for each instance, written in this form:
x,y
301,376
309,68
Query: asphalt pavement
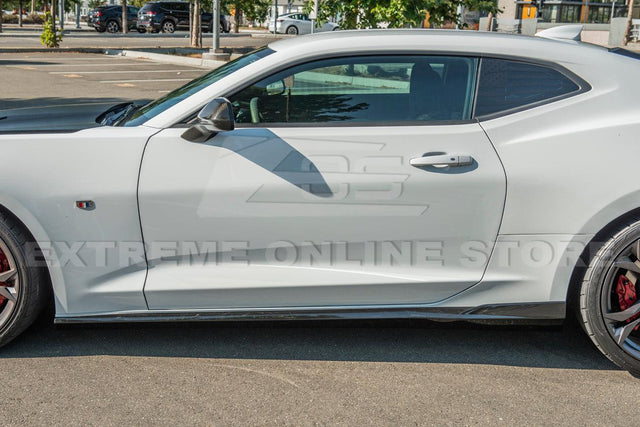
x,y
43,79
299,373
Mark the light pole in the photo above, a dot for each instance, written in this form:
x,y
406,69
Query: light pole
x,y
215,27
61,13
78,15
216,53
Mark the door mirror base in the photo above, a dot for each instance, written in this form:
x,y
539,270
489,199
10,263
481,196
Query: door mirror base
x,y
200,133
217,116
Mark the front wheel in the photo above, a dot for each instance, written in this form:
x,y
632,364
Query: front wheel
x,y
610,298
101,30
23,288
141,30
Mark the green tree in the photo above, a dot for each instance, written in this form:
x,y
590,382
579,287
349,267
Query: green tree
x,y
257,10
399,13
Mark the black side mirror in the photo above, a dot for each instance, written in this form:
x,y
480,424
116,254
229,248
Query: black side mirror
x,y
215,117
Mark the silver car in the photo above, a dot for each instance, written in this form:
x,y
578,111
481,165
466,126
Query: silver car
x,y
447,175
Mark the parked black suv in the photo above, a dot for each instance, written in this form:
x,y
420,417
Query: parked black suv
x,y
168,16
109,18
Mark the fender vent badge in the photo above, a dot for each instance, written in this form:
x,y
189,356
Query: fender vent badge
x,y
86,205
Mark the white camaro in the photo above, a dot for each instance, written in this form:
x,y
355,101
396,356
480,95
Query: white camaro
x,y
431,174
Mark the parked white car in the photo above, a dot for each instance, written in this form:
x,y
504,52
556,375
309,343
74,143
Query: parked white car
x,y
298,23
448,175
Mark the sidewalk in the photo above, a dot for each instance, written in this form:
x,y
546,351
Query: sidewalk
x,y
70,27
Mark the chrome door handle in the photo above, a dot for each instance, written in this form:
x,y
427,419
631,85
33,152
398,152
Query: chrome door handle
x,y
442,160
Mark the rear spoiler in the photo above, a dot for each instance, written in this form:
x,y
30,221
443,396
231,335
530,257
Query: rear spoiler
x,y
563,32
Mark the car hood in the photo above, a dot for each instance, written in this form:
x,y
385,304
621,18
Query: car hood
x,y
70,117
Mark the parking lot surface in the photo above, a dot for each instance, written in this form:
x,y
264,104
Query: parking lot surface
x,y
299,373
40,79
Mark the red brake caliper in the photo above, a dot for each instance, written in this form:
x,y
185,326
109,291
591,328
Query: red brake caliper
x,y
627,296
4,266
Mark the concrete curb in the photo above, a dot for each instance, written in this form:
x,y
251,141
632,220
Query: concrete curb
x,y
166,53
167,59
46,49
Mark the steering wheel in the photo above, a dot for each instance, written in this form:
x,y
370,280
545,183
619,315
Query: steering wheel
x,y
255,110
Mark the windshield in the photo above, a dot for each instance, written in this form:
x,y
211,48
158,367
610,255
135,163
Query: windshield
x,y
160,105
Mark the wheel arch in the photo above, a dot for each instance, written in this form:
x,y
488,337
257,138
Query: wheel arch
x,y
19,213
605,232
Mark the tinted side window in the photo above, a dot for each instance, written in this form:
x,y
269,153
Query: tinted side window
x,y
363,89
148,6
505,85
180,7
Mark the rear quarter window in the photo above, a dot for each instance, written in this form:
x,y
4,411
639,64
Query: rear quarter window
x,y
508,86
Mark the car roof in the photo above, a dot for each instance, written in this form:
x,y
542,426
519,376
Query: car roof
x,y
452,41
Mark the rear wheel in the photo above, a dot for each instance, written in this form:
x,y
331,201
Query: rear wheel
x,y
610,298
113,26
292,30
23,287
168,27
141,30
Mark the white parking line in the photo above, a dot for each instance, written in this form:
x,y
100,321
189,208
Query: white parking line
x,y
142,81
126,71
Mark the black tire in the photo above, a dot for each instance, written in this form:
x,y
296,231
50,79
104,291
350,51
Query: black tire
x,y
33,286
168,26
101,30
141,30
598,302
292,30
113,26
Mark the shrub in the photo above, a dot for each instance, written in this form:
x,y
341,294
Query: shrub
x,y
33,18
50,38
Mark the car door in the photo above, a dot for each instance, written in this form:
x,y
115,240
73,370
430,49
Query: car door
x,y
304,23
181,12
132,16
352,181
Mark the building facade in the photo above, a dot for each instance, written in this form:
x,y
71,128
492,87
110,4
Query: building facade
x,y
567,11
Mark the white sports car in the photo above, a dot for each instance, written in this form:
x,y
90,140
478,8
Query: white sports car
x,y
448,175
